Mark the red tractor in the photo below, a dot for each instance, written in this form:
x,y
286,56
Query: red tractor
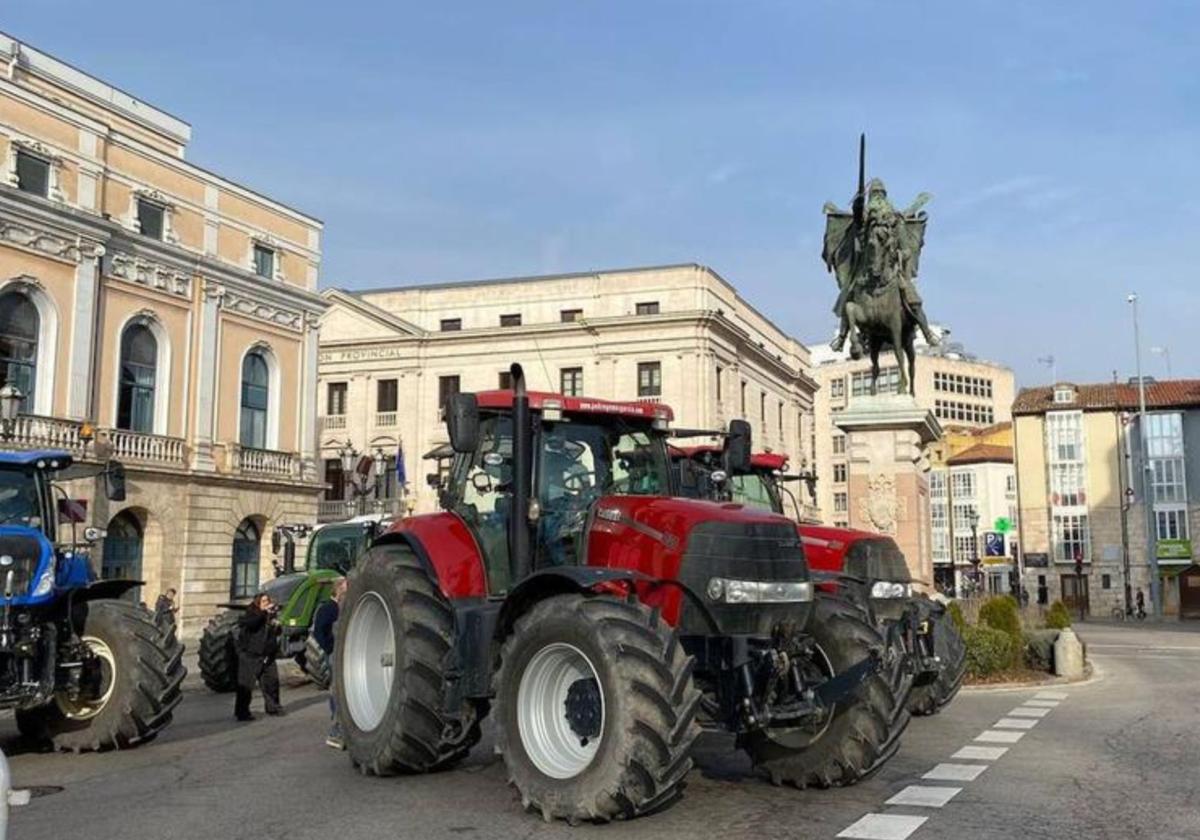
x,y
866,568
601,619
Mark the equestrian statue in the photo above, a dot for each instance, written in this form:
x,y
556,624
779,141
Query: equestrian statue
x,y
873,250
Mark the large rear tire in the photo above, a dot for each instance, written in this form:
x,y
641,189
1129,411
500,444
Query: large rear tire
x,y
595,709
395,633
951,651
316,664
218,658
863,730
134,680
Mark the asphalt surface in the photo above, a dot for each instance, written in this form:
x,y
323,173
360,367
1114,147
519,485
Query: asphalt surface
x,y
1115,757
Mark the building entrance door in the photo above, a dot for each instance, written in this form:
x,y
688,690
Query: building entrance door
x,y
1075,593
1189,593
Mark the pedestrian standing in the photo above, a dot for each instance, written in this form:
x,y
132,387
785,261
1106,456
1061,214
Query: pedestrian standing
x,y
1141,604
257,646
165,609
324,627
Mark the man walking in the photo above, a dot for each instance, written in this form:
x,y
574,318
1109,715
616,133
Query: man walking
x,y
165,609
257,646
323,631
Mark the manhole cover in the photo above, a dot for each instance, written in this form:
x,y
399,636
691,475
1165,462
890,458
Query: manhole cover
x,y
42,790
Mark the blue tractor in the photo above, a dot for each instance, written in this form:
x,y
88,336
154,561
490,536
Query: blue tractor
x,y
83,665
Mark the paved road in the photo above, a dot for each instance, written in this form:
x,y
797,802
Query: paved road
x,y
1118,757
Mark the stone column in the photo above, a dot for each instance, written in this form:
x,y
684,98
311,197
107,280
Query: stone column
x,y
308,445
886,484
206,375
83,332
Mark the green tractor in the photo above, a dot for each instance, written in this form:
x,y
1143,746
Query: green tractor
x,y
332,551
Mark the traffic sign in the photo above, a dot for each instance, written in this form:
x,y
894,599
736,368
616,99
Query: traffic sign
x,y
993,544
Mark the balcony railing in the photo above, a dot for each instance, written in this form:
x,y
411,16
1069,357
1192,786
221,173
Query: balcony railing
x,y
385,419
333,422
339,510
139,446
266,462
36,432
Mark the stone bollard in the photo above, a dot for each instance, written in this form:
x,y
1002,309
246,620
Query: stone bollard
x,y
1068,655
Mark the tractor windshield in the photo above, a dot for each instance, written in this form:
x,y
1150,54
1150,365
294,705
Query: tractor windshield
x,y
21,501
755,491
335,547
593,460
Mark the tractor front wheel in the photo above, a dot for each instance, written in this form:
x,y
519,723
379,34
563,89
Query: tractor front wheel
x,y
129,686
218,659
951,651
315,663
860,732
595,709
394,637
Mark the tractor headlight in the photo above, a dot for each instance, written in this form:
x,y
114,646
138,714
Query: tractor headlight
x,y
890,589
759,591
45,581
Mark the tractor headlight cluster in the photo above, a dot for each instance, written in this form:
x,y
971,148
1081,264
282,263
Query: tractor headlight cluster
x,y
890,589
45,581
728,591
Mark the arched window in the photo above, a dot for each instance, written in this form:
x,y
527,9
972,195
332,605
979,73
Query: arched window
x,y
123,550
19,325
139,372
244,579
256,392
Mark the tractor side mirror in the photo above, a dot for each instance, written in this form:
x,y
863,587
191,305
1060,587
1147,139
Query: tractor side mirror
x,y
736,453
114,481
462,421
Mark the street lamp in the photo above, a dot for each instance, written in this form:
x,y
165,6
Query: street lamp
x,y
973,519
10,407
1144,452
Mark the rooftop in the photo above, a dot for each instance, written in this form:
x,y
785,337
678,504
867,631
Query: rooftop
x,y
1109,396
982,453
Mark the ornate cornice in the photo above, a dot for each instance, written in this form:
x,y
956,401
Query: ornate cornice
x,y
241,304
41,242
151,274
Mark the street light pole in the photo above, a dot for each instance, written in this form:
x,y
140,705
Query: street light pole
x,y
1144,452
975,550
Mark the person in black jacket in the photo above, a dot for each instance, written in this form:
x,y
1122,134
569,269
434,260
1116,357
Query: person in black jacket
x,y
323,631
257,646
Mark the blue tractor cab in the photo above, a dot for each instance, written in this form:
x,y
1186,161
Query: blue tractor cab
x,y
83,669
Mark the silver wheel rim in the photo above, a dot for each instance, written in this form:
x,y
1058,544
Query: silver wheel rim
x,y
369,661
86,708
546,733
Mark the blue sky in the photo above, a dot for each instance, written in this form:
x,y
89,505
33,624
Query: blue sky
x,y
468,140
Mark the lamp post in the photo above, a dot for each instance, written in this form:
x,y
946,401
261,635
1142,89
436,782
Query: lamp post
x,y
1144,452
10,407
973,518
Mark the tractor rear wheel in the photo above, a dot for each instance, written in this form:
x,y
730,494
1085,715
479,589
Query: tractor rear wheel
x,y
861,732
316,663
218,659
595,709
129,687
951,651
394,637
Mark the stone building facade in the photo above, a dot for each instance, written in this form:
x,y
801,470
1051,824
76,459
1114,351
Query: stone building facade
x,y
960,390
1082,495
156,313
679,334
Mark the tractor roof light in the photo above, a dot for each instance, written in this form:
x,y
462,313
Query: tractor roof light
x,y
662,419
552,410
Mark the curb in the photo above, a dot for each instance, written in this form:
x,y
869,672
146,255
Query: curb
x,y
1094,674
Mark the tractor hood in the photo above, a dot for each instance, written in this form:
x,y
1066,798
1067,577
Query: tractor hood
x,y
281,588
26,565
702,544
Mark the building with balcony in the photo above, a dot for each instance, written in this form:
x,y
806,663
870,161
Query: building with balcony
x,y
157,313
681,334
1088,495
963,392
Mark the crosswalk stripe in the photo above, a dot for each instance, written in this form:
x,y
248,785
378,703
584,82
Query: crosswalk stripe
x,y
946,772
924,796
1016,723
999,736
980,753
883,827
1025,711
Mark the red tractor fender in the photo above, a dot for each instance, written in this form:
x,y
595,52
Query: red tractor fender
x,y
447,549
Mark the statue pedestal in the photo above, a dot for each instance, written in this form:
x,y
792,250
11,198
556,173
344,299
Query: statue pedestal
x,y
886,485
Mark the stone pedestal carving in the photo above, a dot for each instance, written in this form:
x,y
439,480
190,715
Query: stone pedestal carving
x,y
886,484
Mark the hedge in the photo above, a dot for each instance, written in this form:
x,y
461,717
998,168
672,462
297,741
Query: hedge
x,y
1058,617
990,650
956,615
1001,613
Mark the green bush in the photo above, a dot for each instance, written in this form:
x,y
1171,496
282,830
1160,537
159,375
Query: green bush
x,y
1039,649
1001,613
956,615
1058,617
989,650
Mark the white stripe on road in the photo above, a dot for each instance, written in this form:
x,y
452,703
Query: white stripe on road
x,y
1025,711
1106,646
999,736
1050,695
883,827
1042,704
980,753
1016,723
946,772
924,796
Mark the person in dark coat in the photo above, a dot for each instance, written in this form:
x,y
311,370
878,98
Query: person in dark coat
x,y
257,646
324,625
165,609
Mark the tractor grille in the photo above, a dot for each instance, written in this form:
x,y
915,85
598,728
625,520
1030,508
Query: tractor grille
x,y
742,551
25,550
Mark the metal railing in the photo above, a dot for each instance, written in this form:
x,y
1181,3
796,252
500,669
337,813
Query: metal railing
x,y
139,446
266,462
385,419
332,422
335,510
